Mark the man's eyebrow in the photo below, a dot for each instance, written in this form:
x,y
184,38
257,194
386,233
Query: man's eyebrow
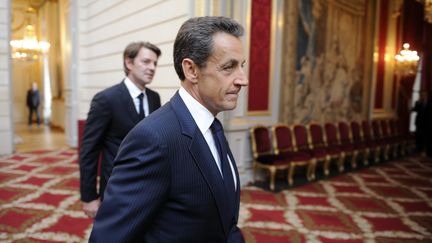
x,y
231,62
149,60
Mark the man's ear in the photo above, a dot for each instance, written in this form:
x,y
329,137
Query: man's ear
x,y
190,70
129,63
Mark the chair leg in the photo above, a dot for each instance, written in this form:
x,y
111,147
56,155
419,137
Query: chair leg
x,y
291,169
311,169
366,154
341,162
386,151
326,165
377,155
272,177
395,152
354,159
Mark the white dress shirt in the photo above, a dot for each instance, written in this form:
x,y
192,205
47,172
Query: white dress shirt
x,y
134,92
204,118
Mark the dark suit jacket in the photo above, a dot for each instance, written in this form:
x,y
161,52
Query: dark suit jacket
x,y
112,115
33,98
420,120
166,186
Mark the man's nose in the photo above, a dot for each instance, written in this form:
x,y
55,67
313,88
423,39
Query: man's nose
x,y
242,79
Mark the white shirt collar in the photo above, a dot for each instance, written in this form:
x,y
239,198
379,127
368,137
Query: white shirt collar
x,y
134,91
203,117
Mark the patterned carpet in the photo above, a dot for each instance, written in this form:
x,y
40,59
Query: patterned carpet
x,y
39,198
390,202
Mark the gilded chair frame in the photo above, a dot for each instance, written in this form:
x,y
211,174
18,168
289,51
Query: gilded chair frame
x,y
377,135
293,164
356,152
308,148
377,150
340,157
341,162
256,164
366,151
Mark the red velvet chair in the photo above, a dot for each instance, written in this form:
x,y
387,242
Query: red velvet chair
x,y
302,144
332,138
359,143
399,140
263,154
407,137
346,140
283,145
374,148
379,139
390,140
318,142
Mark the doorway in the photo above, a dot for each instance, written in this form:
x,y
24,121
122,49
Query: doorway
x,y
38,23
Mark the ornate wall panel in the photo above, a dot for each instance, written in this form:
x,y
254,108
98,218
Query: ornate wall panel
x,y
259,69
332,49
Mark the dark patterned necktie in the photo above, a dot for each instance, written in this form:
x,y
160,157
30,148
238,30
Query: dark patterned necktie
x,y
222,147
141,106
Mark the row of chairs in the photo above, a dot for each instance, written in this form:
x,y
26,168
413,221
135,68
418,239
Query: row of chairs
x,y
284,147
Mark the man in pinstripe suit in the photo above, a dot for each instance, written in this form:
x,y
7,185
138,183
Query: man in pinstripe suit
x,y
175,178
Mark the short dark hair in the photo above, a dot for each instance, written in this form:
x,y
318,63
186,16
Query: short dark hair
x,y
131,51
195,39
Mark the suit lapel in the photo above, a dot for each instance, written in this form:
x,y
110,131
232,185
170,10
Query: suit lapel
x,y
203,159
205,162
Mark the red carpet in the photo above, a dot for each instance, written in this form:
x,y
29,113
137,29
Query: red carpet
x,y
39,198
391,202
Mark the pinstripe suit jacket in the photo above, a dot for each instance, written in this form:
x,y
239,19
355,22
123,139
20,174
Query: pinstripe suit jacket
x,y
166,187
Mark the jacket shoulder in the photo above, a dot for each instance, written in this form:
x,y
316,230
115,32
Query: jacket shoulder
x,y
112,90
151,92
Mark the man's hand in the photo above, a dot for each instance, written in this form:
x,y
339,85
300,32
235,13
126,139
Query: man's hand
x,y
91,208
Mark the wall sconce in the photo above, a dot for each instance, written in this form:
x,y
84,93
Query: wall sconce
x,y
406,61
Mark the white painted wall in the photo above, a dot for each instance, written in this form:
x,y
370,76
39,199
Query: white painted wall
x,y
6,124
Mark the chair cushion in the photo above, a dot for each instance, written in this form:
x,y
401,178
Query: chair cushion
x,y
333,150
347,147
317,153
360,146
268,158
296,156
